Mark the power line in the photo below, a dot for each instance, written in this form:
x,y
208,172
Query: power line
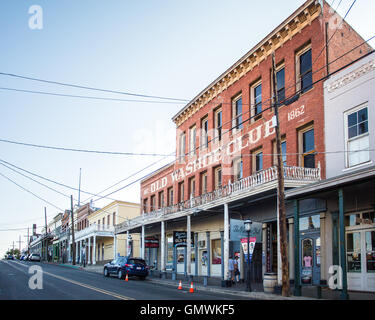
x,y
337,28
51,204
86,97
50,180
127,178
90,88
84,150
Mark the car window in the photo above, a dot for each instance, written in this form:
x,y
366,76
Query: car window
x,y
137,261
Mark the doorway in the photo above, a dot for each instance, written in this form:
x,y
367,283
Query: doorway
x,y
360,251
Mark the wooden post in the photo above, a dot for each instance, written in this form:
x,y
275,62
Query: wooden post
x,y
280,191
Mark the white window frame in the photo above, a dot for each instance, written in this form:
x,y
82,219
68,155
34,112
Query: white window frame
x,y
216,112
192,140
204,134
235,115
252,100
347,140
299,53
182,143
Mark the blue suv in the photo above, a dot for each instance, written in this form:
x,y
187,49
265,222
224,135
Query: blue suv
x,y
125,265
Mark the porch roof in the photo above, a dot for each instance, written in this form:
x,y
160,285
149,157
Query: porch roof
x,y
331,184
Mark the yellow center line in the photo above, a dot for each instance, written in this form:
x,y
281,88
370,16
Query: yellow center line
x,y
115,295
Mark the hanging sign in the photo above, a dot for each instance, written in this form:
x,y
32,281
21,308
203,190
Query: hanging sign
x,y
252,241
180,238
151,242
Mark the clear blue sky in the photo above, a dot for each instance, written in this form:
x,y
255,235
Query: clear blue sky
x,y
165,48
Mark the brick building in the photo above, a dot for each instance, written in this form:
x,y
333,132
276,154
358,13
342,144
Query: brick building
x,y
225,151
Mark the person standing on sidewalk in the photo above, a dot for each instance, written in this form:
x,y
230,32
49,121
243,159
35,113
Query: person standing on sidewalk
x,y
231,268
237,270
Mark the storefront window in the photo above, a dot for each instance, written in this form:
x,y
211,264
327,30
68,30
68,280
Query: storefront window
x,y
180,254
352,220
370,251
169,252
317,251
369,217
353,244
309,223
307,261
216,251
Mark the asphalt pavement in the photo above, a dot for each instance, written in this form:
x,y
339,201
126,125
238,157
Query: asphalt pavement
x,y
61,283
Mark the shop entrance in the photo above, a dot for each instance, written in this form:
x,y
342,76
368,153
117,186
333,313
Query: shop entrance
x,y
310,259
310,249
360,251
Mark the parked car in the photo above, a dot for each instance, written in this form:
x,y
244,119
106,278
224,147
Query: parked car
x,y
10,257
35,257
124,265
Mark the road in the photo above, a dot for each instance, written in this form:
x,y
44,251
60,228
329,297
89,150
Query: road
x,y
62,283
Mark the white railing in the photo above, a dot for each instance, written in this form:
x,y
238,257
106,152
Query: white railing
x,y
94,228
307,175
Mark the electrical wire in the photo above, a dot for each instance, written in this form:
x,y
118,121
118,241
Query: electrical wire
x,y
337,28
87,97
90,88
85,150
51,204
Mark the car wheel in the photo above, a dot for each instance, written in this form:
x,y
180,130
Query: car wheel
x,y
119,274
106,272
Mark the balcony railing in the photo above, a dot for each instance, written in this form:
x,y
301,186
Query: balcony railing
x,y
93,229
302,174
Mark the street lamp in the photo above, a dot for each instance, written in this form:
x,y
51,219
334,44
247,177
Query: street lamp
x,y
247,224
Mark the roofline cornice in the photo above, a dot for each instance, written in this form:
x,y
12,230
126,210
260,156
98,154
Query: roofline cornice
x,y
302,17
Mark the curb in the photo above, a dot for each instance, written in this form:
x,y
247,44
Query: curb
x,y
250,295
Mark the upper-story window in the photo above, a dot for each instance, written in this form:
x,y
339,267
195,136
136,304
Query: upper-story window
x,y
108,220
191,187
218,124
153,203
307,147
237,169
170,196
218,177
114,218
237,113
145,205
357,136
283,152
304,69
182,147
204,133
280,81
204,182
257,160
192,140
181,195
161,199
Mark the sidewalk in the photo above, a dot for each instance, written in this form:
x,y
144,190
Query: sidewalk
x,y
309,293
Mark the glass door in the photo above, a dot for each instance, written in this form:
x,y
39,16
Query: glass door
x,y
310,259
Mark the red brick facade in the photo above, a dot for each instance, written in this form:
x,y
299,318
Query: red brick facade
x,y
305,112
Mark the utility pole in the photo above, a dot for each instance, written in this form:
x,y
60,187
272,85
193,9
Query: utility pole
x,y
79,188
19,243
28,241
45,237
280,190
73,241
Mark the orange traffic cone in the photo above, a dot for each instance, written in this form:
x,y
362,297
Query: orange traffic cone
x,y
126,278
180,286
191,287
